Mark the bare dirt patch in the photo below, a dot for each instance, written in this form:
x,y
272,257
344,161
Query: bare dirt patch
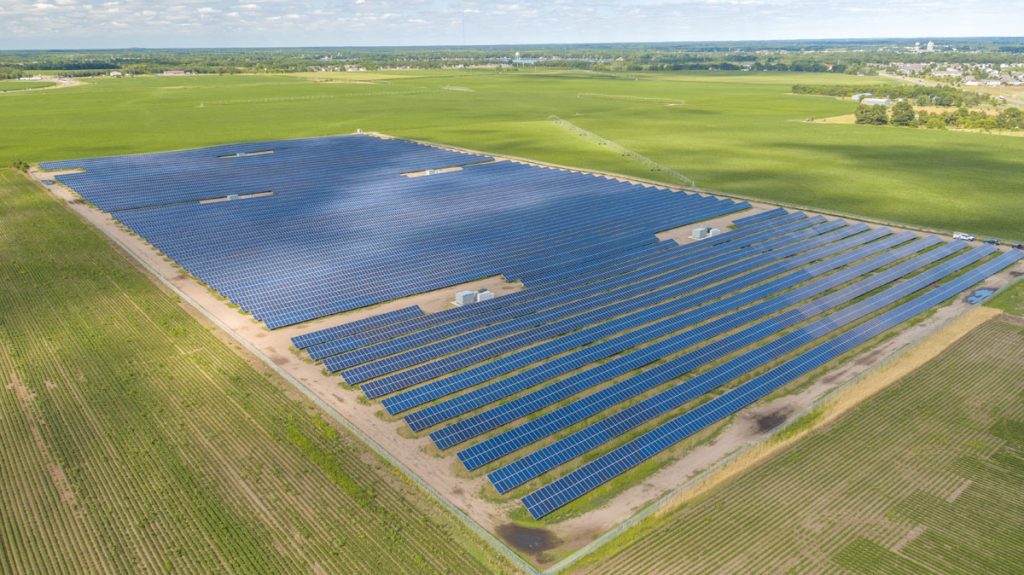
x,y
25,398
847,119
681,235
528,539
769,421
906,539
959,491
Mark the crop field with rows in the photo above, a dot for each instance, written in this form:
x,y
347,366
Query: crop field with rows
x,y
925,477
133,440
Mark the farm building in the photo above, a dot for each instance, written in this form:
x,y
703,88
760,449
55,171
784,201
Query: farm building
x,y
876,101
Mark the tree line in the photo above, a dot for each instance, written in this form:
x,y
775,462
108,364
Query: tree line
x,y
920,95
903,114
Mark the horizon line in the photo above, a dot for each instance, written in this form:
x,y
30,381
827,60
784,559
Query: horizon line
x,y
526,44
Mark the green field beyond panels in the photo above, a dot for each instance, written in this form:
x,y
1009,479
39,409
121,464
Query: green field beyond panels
x,y
740,133
18,85
926,477
132,440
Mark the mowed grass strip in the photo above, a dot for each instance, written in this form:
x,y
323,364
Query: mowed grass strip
x,y
741,133
18,85
1011,300
133,440
925,477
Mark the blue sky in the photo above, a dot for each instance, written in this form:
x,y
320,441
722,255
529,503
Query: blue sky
x,y
213,23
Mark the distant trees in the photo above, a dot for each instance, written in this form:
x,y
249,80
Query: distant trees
x,y
875,115
902,114
921,95
962,118
1010,119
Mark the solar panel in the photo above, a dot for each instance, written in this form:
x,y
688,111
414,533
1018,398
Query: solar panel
x,y
757,218
466,429
583,480
324,237
516,438
678,254
515,361
572,446
354,327
433,369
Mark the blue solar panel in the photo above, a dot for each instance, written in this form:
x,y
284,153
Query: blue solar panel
x,y
429,370
758,218
505,413
508,363
649,290
591,475
583,285
678,254
354,327
516,438
351,351
572,446
342,227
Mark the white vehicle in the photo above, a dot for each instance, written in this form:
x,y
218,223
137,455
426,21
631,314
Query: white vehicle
x,y
963,236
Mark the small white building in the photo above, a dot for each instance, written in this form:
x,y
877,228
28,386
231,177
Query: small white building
x,y
876,101
464,298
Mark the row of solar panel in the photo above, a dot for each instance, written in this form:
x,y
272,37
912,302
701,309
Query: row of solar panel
x,y
674,262
320,284
507,412
387,318
583,480
577,277
572,446
597,326
637,311
581,285
134,181
344,229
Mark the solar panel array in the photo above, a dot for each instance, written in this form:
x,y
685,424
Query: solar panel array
x,y
620,347
320,226
618,357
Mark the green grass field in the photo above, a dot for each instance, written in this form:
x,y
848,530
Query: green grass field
x,y
18,85
132,440
925,477
738,133
1011,300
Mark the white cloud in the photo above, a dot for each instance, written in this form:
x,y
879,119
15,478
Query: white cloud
x,y
69,23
